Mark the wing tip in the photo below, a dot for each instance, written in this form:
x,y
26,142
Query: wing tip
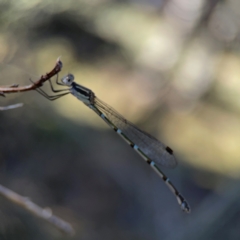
x,y
169,150
171,157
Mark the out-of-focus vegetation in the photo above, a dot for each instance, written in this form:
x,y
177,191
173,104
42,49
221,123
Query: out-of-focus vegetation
x,y
172,67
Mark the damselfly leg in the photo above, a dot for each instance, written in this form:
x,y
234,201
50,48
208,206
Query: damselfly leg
x,y
53,97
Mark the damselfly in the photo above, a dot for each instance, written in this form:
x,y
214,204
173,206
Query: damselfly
x,y
149,148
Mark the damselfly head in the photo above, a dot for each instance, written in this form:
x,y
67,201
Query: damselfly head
x,y
68,79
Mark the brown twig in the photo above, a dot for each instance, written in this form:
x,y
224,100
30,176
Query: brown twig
x,y
15,88
33,208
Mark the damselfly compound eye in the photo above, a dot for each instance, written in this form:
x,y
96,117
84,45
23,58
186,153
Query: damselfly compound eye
x,y
68,79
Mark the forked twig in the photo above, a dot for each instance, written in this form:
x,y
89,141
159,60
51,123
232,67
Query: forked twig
x,y
33,208
15,88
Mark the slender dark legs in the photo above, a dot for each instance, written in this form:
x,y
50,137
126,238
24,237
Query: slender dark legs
x,y
53,97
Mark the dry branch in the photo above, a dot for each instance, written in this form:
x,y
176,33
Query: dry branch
x,y
11,106
46,214
15,88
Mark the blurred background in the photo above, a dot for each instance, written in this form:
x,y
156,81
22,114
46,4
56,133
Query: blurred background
x,y
170,67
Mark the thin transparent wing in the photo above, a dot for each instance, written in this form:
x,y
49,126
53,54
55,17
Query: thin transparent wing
x,y
150,146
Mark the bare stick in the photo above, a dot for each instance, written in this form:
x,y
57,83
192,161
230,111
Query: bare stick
x,y
33,208
11,106
15,88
